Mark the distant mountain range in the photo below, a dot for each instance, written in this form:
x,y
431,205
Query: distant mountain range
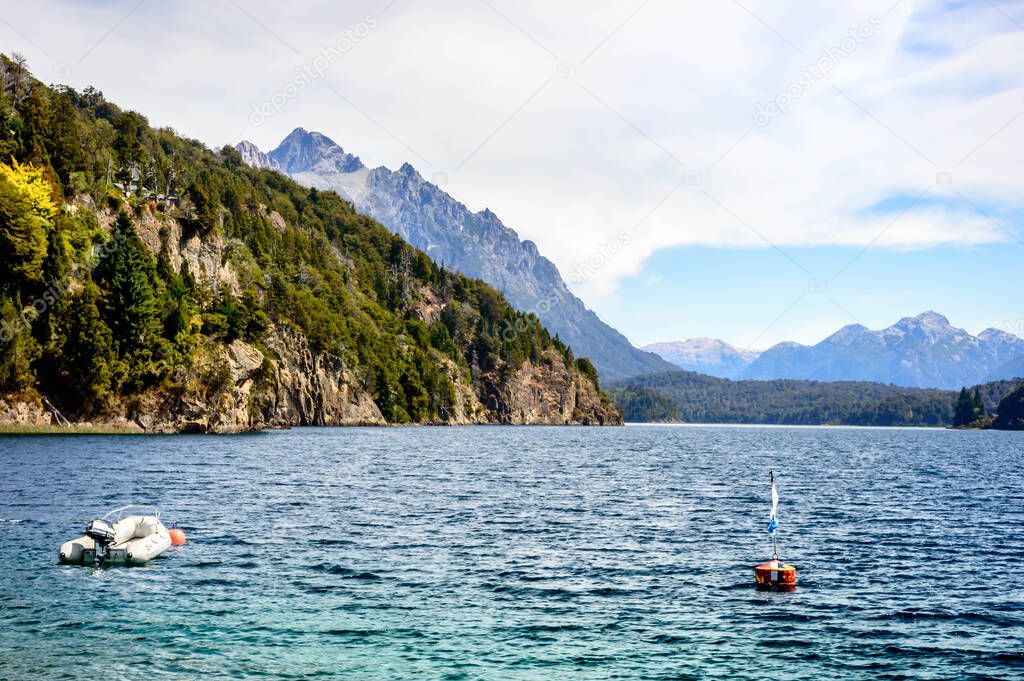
x,y
923,352
706,356
476,244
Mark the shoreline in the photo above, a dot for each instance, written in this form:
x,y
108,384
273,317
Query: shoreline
x,y
34,430
31,430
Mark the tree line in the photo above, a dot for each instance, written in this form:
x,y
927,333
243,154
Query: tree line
x,y
684,396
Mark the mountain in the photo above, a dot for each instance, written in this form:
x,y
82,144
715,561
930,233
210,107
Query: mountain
x,y
924,352
255,158
1014,368
235,298
695,398
477,244
705,356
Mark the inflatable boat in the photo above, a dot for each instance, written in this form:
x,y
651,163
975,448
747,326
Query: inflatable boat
x,y
130,535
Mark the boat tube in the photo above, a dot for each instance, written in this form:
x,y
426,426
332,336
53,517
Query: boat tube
x,y
130,535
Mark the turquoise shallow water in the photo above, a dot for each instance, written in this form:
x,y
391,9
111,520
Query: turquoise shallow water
x,y
522,553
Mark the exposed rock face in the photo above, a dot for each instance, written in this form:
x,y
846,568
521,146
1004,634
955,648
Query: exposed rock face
x,y
548,393
310,151
306,388
254,157
24,413
476,244
234,388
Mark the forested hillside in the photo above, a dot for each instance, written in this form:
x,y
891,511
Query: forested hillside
x,y
148,279
696,398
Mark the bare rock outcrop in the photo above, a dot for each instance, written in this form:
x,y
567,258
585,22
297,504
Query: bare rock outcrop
x,y
237,388
24,412
548,392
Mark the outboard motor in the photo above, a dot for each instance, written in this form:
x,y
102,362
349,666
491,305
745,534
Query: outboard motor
x,y
102,533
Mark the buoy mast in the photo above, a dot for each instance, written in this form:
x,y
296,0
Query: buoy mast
x,y
775,502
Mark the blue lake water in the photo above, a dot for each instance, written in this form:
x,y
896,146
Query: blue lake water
x,y
522,553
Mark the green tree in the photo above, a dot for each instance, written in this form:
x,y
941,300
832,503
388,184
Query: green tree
x,y
87,360
129,305
1011,411
964,412
586,367
18,349
129,127
22,237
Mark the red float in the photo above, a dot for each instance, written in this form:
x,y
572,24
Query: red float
x,y
775,575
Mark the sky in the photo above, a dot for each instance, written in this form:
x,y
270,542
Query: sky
x,y
751,171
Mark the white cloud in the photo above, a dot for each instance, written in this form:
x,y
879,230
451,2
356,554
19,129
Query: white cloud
x,y
456,87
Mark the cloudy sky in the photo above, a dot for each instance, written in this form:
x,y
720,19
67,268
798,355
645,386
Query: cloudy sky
x,y
754,171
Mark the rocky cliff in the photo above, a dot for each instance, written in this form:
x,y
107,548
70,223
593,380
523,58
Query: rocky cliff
x,y
546,392
238,387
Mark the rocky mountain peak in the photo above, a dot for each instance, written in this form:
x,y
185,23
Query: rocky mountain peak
x,y
304,151
931,321
848,334
408,171
252,156
705,355
994,335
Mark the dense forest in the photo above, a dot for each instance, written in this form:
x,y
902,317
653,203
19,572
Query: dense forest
x,y
970,408
639,404
696,398
93,314
1011,411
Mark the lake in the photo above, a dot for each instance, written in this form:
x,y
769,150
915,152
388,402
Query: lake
x,y
522,553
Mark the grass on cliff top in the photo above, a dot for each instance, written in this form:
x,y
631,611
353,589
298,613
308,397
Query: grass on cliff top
x,y
73,429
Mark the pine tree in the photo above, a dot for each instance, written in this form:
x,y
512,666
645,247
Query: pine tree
x,y
1011,411
18,349
129,306
964,413
87,360
979,405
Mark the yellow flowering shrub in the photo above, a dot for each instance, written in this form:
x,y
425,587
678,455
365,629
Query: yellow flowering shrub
x,y
36,189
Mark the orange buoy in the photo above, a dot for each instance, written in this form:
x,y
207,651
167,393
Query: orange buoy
x,y
775,574
177,536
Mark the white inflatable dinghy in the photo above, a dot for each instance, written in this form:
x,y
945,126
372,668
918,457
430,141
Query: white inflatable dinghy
x,y
131,535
